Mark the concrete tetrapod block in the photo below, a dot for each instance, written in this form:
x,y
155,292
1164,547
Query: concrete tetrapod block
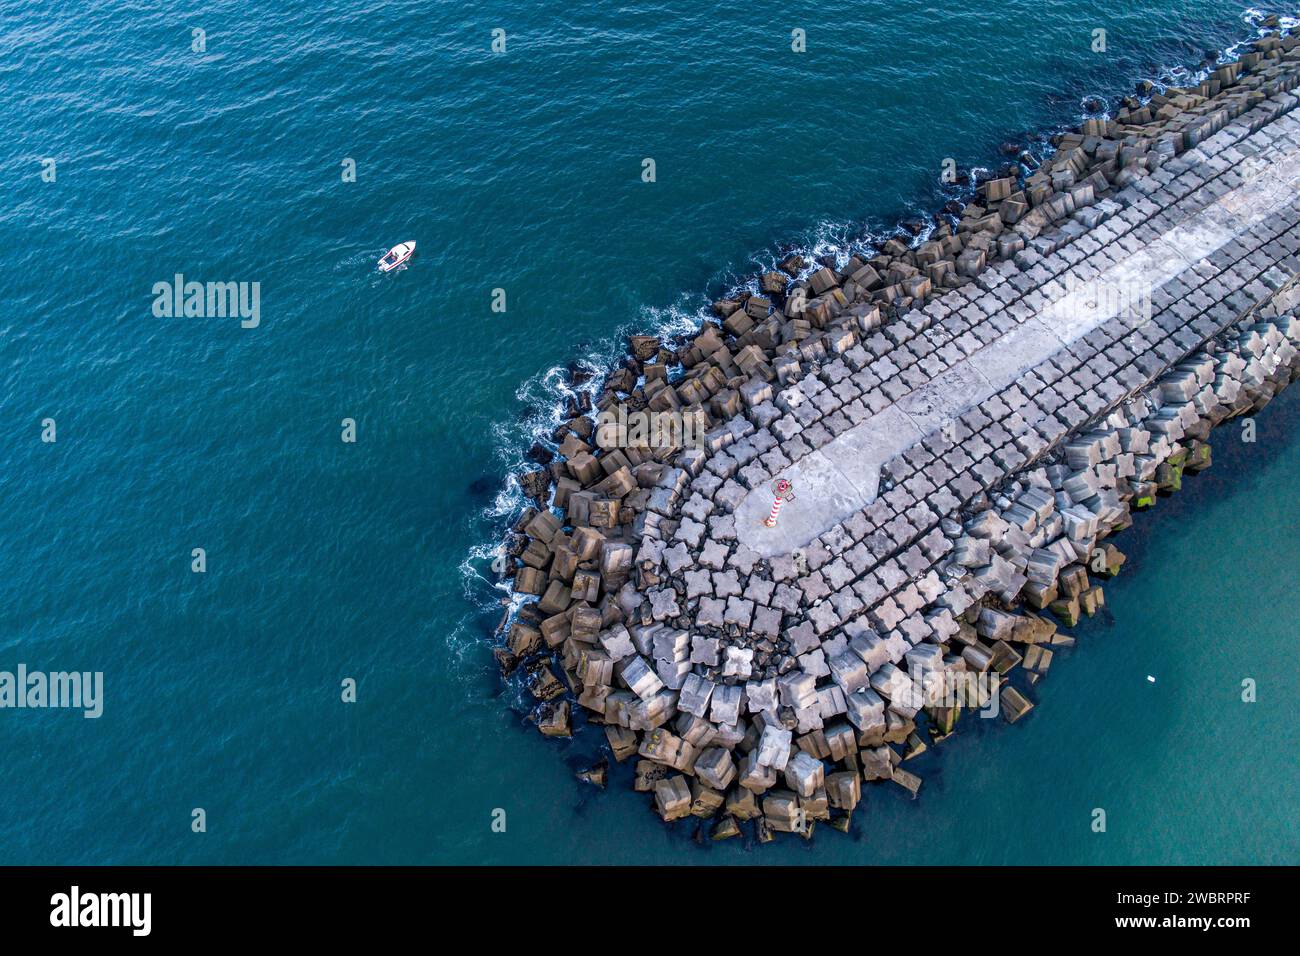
x,y
673,798
715,768
774,747
804,774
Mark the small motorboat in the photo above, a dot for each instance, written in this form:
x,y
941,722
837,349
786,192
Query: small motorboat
x,y
395,256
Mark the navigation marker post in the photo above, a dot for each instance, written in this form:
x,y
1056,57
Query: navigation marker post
x,y
782,490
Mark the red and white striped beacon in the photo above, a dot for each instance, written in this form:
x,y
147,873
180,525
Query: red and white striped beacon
x,y
782,491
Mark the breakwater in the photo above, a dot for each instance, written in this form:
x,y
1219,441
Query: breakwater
x,y
963,421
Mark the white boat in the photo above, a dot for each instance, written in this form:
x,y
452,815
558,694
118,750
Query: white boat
x,y
395,256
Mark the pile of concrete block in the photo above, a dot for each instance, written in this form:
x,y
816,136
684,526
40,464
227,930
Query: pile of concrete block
x,y
770,689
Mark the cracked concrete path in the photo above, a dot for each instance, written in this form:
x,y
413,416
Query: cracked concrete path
x,y
842,477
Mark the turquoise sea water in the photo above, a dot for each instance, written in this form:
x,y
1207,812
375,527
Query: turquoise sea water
x,y
329,560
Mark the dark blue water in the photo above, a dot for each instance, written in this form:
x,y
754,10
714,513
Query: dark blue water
x,y
330,560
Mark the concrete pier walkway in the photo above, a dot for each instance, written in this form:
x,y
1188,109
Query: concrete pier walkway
x,y
843,476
